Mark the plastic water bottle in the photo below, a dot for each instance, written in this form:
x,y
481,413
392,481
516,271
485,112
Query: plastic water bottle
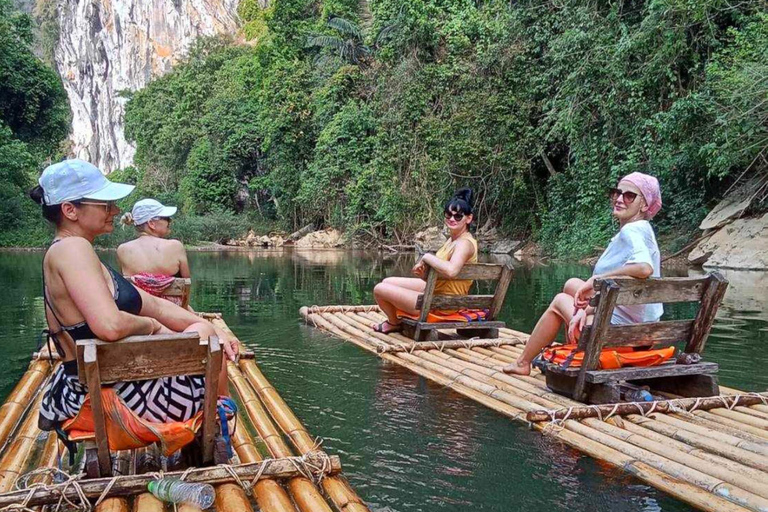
x,y
176,491
638,395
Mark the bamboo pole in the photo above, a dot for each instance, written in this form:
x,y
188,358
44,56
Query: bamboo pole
x,y
270,495
303,491
662,406
146,461
504,378
130,485
735,432
343,497
442,345
758,476
675,462
20,398
456,377
680,489
19,449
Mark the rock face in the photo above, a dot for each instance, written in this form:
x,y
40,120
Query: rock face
x,y
505,246
323,239
743,244
109,46
430,239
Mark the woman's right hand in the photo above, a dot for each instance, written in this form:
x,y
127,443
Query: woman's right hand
x,y
583,294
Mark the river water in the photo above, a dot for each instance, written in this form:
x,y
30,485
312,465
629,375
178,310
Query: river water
x,y
406,443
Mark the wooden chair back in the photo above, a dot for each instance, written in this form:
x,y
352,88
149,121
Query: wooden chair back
x,y
707,290
502,274
149,357
181,287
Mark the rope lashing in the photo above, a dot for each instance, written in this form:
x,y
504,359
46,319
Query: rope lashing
x,y
67,481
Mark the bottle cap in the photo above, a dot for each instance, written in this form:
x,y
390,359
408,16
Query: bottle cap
x,y
152,486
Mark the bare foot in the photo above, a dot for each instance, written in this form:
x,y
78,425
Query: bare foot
x,y
518,368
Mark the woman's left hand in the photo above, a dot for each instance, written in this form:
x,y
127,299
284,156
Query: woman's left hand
x,y
583,294
576,325
419,269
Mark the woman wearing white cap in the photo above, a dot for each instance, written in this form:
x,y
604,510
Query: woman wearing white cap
x,y
152,260
86,299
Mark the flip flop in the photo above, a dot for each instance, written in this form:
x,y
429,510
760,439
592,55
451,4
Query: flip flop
x,y
393,327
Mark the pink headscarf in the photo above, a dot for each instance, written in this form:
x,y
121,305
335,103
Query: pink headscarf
x,y
649,186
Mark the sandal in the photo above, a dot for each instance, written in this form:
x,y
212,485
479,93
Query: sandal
x,y
393,327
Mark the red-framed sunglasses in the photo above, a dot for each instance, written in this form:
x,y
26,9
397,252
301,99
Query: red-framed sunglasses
x,y
628,195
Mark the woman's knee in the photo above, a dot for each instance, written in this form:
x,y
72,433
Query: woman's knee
x,y
562,304
572,285
204,329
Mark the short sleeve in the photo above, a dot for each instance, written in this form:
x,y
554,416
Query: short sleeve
x,y
638,244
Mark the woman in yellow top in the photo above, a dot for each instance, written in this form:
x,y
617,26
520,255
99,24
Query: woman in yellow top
x,y
401,293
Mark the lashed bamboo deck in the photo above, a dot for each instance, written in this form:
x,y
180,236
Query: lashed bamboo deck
x,y
716,460
276,434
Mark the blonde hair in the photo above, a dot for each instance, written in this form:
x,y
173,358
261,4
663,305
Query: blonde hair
x,y
127,220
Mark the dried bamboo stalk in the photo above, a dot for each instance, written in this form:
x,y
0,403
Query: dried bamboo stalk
x,y
680,489
303,491
19,449
130,485
146,461
270,495
442,345
658,455
20,398
338,490
595,411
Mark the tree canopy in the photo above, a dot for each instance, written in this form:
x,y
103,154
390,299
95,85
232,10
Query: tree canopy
x,y
539,106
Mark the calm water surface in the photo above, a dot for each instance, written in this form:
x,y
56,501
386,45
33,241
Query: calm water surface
x,y
406,443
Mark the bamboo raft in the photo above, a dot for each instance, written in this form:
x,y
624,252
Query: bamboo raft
x,y
278,466
711,453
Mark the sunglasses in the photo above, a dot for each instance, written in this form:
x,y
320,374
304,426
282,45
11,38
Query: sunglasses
x,y
628,196
166,219
456,216
108,206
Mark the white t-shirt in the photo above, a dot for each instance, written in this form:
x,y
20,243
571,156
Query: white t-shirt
x,y
634,243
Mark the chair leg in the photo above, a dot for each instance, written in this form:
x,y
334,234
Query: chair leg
x,y
92,469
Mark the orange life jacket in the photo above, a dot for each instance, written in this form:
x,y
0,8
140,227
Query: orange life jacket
x,y
460,315
610,358
126,430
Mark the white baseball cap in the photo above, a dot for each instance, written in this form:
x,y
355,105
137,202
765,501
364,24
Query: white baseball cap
x,y
74,179
148,209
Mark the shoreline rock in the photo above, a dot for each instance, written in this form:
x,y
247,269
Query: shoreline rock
x,y
742,244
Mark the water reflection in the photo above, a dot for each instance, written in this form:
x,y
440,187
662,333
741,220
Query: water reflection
x,y
406,443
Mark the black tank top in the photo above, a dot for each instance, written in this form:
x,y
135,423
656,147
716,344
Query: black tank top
x,y
127,298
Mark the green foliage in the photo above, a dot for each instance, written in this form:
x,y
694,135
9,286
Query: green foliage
x,y
347,45
539,107
34,119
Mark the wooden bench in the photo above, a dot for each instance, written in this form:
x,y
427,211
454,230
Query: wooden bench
x,y
141,358
590,385
421,330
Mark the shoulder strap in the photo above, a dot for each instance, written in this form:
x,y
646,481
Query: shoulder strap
x,y
49,334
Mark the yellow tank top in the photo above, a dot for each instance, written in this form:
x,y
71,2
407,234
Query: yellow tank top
x,y
455,286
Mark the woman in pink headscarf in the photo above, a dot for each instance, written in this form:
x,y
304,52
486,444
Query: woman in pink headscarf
x,y
633,252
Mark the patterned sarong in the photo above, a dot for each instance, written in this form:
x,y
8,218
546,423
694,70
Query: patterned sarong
x,y
156,284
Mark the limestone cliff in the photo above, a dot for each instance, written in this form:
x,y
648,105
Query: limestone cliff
x,y
106,47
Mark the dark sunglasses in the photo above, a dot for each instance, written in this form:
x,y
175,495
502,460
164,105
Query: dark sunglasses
x,y
456,216
167,219
629,197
